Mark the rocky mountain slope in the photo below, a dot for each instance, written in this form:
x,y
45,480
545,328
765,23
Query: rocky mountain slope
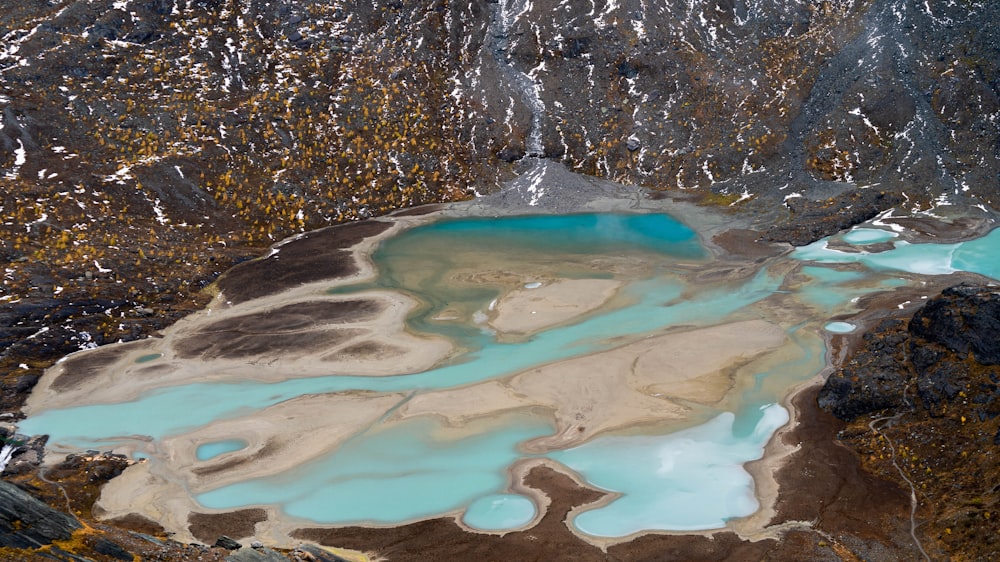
x,y
148,145
922,402
139,138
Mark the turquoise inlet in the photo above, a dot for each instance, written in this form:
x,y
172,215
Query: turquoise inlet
x,y
410,471
975,256
840,327
211,450
669,475
863,236
692,479
498,512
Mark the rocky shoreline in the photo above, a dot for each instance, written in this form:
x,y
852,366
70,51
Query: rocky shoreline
x,y
919,398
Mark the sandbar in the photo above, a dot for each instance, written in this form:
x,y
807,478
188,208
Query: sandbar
x,y
650,380
279,438
530,309
222,346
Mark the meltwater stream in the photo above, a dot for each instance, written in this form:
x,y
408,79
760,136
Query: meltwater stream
x,y
680,476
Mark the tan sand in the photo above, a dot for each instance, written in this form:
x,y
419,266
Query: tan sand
x,y
380,346
638,383
527,310
648,381
642,382
278,439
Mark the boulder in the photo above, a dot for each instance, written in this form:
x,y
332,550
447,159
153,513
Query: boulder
x,y
227,543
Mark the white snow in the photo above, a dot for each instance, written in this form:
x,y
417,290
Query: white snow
x,y
20,157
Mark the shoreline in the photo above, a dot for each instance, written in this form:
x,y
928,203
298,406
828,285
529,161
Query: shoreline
x,y
767,488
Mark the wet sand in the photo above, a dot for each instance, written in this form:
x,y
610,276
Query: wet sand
x,y
652,380
648,381
293,330
825,509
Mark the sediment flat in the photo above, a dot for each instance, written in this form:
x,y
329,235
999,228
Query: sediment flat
x,y
297,330
640,383
530,309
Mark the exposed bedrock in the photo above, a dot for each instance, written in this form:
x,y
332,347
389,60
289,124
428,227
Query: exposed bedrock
x,y
946,353
26,522
922,402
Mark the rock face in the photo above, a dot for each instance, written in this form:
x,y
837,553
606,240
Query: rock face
x,y
922,399
965,319
27,523
940,356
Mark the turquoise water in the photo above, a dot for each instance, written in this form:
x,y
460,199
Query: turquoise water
x,y
689,480
829,288
840,327
498,512
864,236
975,256
668,479
407,472
211,450
427,261
660,306
149,357
584,234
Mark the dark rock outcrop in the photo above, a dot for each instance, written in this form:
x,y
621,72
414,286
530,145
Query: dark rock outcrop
x,y
964,319
27,523
227,543
26,454
872,381
922,402
942,355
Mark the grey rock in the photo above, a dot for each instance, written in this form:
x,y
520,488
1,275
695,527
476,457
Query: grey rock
x,y
108,548
256,555
227,543
26,522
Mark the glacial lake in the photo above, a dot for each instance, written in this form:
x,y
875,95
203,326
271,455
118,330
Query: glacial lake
x,y
682,470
